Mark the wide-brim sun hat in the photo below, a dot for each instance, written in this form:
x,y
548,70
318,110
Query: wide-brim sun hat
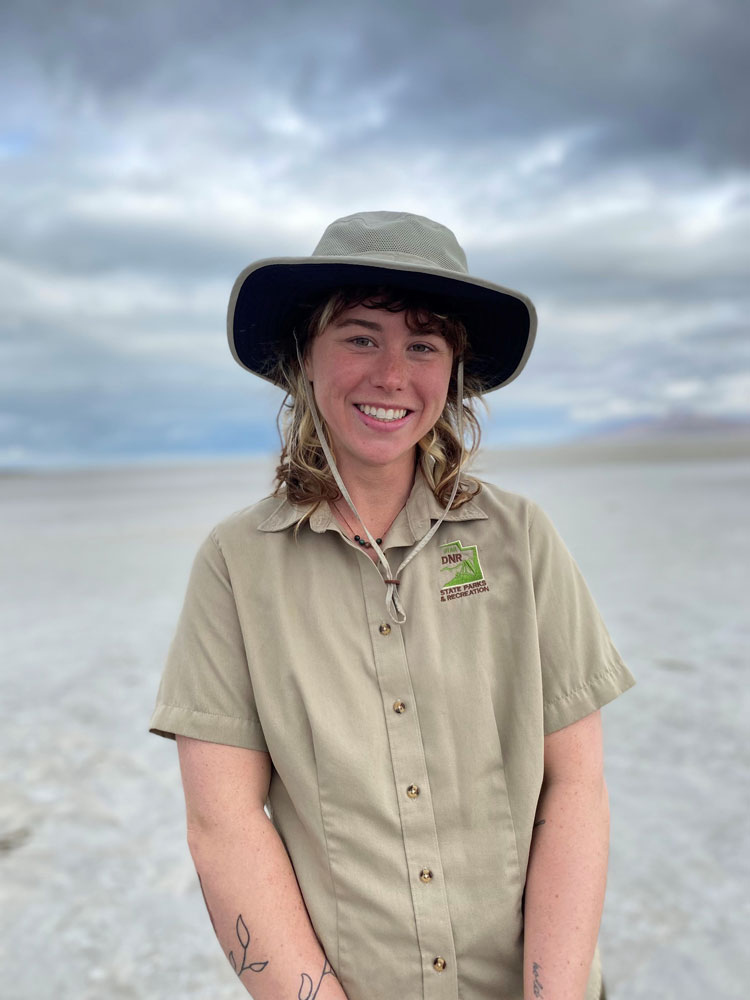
x,y
396,249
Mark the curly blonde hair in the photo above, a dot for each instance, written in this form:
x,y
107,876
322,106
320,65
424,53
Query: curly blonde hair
x,y
303,474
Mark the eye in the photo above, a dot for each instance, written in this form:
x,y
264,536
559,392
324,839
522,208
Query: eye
x,y
361,341
422,348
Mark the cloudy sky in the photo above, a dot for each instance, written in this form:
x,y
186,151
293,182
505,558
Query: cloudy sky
x,y
595,155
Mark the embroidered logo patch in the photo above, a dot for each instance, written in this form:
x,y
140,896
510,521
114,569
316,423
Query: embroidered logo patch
x,y
461,570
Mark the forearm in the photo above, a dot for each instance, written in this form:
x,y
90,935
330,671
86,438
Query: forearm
x,y
565,887
258,913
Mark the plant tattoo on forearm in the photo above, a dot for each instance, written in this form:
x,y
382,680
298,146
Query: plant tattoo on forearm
x,y
307,989
306,986
243,936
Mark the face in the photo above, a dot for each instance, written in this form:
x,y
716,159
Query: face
x,y
379,386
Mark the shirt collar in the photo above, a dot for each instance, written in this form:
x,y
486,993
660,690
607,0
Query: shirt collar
x,y
412,522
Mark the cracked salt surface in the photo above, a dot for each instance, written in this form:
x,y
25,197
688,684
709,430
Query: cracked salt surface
x,y
97,891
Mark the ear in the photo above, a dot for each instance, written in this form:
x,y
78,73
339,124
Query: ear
x,y
307,364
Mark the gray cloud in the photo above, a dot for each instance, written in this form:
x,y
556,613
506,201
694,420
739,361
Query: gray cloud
x,y
595,156
662,78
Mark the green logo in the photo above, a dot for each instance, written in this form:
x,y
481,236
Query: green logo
x,y
460,563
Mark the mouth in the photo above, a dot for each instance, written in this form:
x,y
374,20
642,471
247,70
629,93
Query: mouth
x,y
384,414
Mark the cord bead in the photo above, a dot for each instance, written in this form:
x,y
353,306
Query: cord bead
x,y
365,544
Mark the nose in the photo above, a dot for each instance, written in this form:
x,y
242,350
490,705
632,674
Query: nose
x,y
390,372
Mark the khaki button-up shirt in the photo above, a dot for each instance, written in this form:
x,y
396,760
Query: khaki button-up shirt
x,y
407,759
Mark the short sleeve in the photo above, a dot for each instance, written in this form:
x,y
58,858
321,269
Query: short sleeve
x,y
581,669
206,690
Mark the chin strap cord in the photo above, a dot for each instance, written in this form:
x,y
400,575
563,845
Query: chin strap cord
x,y
393,603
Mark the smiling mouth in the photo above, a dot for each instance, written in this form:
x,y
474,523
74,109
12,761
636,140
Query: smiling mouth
x,y
381,413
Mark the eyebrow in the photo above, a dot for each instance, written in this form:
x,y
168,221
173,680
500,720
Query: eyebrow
x,y
369,324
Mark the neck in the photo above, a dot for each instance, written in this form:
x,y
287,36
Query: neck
x,y
378,493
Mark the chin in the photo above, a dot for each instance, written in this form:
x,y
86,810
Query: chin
x,y
381,460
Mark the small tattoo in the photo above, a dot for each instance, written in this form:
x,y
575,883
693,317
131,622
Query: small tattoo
x,y
539,822
536,969
306,986
243,936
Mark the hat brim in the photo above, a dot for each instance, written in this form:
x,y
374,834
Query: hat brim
x,y
266,298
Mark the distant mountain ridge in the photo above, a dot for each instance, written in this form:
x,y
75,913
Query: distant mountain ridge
x,y
676,438
672,425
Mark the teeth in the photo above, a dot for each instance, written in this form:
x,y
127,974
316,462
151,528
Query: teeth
x,y
380,413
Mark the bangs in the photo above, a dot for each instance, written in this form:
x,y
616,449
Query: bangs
x,y
423,314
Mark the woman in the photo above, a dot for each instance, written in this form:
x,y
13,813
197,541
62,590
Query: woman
x,y
404,665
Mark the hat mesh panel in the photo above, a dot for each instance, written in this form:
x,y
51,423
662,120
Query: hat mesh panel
x,y
402,235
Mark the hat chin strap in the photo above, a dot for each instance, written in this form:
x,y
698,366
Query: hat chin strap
x,y
393,603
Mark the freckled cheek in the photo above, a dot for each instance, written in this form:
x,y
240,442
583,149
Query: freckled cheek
x,y
334,398
439,395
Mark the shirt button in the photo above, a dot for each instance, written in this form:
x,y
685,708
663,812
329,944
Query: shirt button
x,y
412,791
426,875
439,963
384,628
399,706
